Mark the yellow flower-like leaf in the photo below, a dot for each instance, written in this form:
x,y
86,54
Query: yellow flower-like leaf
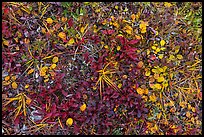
x,y
71,41
45,68
30,71
116,24
83,107
154,48
188,114
106,46
14,85
7,78
26,86
143,26
13,78
28,100
133,17
179,56
158,50
153,98
118,48
49,20
69,122
146,91
161,56
147,73
140,91
157,86
116,7
128,29
62,35
55,60
46,80
64,19
167,4
53,66
162,42
119,85
43,30
160,79
6,42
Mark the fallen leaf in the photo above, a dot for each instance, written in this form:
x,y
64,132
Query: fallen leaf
x,y
49,20
62,35
71,41
83,107
69,122
153,98
30,71
14,85
162,42
55,60
7,78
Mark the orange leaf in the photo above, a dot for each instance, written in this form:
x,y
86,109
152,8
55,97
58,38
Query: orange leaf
x,y
83,107
14,85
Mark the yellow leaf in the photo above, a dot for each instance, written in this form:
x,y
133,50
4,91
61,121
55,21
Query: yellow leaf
x,y
30,71
162,42
83,107
162,48
146,91
14,85
116,24
28,100
164,68
26,86
188,114
62,35
156,76
133,17
82,30
119,85
6,42
193,109
167,4
116,7
55,60
153,98
45,68
129,31
154,48
69,122
53,66
71,41
172,57
106,46
157,86
46,80
158,50
179,56
49,20
7,78
147,73
160,79
140,91
43,30
161,56
13,78
148,51
64,19
118,48
143,30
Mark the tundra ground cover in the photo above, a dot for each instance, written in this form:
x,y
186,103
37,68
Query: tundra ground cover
x,y
118,68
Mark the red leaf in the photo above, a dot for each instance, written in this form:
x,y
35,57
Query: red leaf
x,y
133,41
108,32
70,22
64,93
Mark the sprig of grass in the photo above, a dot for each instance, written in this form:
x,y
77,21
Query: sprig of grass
x,y
103,77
